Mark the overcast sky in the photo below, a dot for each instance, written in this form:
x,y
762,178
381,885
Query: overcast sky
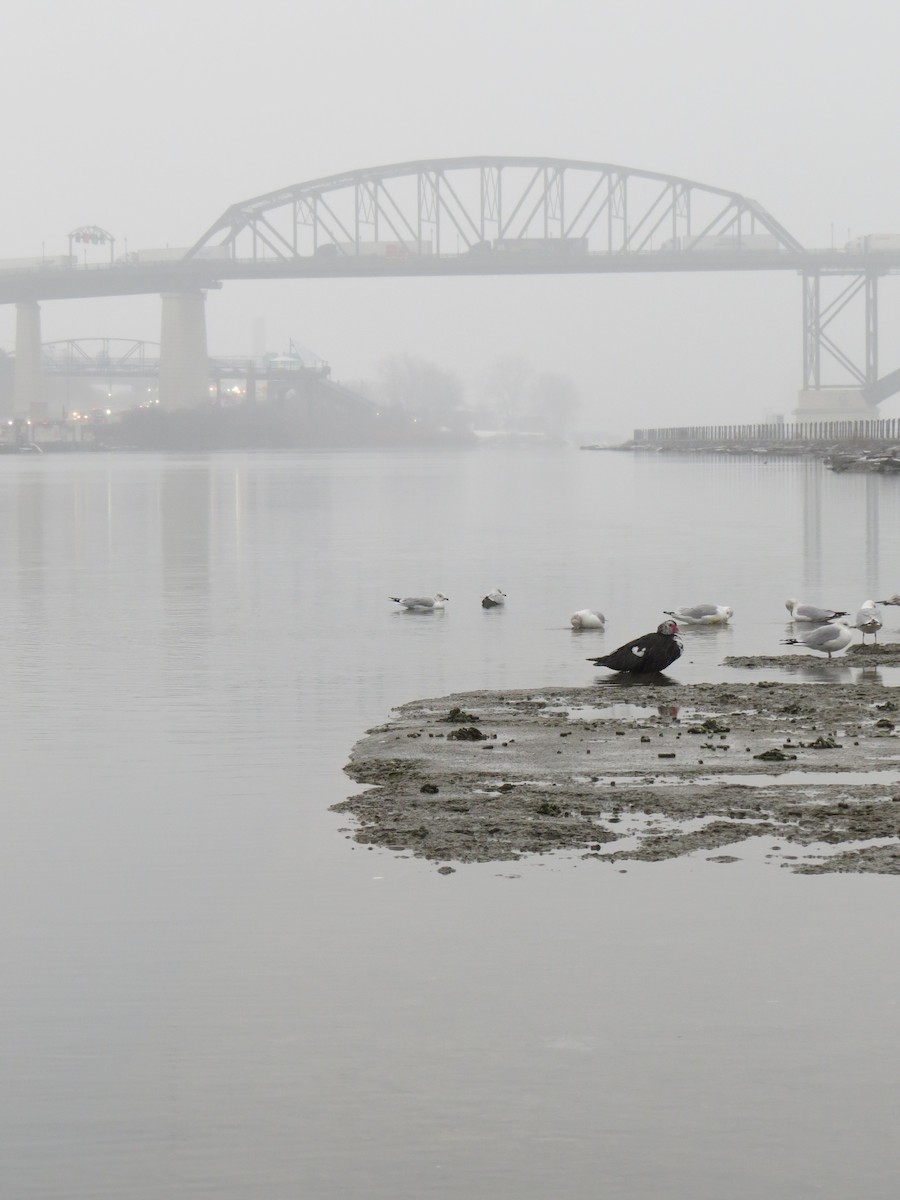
x,y
150,119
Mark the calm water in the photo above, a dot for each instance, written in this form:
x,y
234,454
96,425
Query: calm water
x,y
208,990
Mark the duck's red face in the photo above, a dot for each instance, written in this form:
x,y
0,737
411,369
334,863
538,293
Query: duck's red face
x,y
669,628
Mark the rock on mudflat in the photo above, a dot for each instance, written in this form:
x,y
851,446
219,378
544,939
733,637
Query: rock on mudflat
x,y
652,773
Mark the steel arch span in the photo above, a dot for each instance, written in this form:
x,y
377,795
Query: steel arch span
x,y
493,206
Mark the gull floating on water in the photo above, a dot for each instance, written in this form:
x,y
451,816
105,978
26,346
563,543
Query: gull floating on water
x,y
809,612
827,638
702,614
895,599
647,655
421,603
587,618
868,620
493,599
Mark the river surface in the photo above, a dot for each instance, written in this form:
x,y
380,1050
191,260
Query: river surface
x,y
210,990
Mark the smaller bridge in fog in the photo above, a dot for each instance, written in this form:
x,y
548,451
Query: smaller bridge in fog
x,y
124,359
101,358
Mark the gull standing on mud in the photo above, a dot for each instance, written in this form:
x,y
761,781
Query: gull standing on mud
x,y
809,612
827,638
702,614
868,620
421,603
587,618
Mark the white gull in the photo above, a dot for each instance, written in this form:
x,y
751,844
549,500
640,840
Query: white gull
x,y
868,620
421,603
809,612
702,614
493,599
827,638
587,618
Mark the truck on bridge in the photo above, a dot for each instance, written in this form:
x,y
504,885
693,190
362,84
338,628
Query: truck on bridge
x,y
723,243
873,242
173,254
396,249
541,245
46,262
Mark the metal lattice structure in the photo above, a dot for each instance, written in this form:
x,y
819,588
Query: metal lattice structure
x,y
101,356
466,206
841,331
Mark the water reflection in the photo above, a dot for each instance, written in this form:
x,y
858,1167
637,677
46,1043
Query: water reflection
x,y
869,674
30,534
185,524
812,528
622,712
873,492
185,520
418,612
637,681
710,632
835,671
864,528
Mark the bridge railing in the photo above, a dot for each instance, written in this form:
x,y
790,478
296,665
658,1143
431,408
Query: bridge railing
x,y
821,432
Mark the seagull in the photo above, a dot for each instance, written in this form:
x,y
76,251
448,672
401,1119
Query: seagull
x,y
646,655
421,603
493,599
827,638
702,614
587,618
868,620
809,612
895,599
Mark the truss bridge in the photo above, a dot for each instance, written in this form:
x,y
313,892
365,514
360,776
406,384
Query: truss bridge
x,y
485,216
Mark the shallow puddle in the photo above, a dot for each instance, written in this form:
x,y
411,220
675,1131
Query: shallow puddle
x,y
835,778
888,778
613,712
630,712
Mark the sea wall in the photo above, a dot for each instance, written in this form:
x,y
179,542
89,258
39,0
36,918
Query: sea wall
x,y
820,439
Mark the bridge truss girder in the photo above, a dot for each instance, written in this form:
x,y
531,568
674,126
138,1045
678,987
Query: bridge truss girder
x,y
456,206
827,295
104,357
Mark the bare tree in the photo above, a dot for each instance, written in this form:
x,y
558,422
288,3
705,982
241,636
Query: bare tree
x,y
505,393
516,399
422,390
554,402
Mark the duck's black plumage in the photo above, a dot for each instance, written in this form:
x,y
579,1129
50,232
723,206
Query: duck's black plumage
x,y
647,655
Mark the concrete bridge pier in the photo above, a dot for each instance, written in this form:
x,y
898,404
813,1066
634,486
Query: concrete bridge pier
x,y
27,377
834,404
183,360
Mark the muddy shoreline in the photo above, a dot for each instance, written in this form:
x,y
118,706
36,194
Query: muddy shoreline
x,y
806,776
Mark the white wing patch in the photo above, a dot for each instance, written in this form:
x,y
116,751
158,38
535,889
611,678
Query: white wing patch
x,y
639,651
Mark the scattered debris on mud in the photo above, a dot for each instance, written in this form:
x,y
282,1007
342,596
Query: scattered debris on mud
x,y
806,775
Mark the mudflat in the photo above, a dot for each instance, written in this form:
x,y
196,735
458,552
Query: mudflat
x,y
806,775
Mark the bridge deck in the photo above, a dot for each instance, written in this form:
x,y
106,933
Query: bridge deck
x,y
123,279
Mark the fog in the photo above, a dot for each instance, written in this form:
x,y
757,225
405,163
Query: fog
x,y
149,121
